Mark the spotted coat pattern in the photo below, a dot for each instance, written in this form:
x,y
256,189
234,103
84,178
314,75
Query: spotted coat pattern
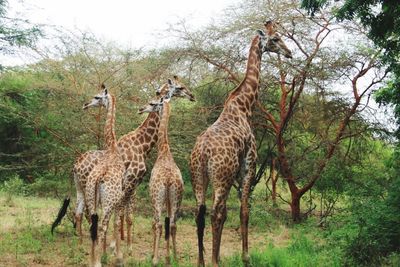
x,y
226,151
166,188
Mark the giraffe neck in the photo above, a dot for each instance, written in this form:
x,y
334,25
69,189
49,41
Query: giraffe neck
x,y
147,133
149,128
163,145
109,127
242,99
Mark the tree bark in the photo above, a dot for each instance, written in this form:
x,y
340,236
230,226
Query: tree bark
x,y
295,206
274,179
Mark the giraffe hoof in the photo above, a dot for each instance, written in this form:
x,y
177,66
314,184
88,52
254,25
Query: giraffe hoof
x,y
130,250
154,262
113,247
119,262
246,259
167,261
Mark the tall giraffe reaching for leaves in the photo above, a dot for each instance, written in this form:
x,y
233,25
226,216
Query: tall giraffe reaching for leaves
x,y
226,151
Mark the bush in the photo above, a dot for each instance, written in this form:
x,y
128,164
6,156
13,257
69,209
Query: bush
x,y
15,186
379,230
44,186
47,187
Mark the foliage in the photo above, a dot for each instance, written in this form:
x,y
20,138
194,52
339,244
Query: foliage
x,y
16,32
381,18
376,216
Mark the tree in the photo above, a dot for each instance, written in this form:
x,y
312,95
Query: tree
x,y
15,32
305,141
381,18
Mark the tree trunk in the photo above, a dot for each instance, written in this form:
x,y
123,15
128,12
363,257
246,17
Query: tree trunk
x,y
274,179
295,206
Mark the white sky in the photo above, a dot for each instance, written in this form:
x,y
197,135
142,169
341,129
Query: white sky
x,y
131,23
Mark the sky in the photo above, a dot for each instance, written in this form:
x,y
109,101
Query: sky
x,y
131,23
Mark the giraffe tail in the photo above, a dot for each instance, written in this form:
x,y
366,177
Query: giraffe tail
x,y
61,214
92,193
93,227
167,227
201,224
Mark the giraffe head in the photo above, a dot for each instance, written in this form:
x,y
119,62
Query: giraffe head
x,y
272,41
153,106
101,99
175,88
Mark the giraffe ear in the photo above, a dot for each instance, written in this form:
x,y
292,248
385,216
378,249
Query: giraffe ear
x,y
103,86
169,81
270,26
105,91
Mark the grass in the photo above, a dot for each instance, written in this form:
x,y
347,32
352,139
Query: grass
x,y
25,238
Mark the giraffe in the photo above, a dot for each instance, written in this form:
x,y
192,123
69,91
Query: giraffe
x,y
226,151
166,185
105,181
134,148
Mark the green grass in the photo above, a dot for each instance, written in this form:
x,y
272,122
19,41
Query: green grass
x,y
25,238
301,252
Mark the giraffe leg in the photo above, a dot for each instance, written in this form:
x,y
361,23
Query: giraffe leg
x,y
249,174
218,217
90,196
244,226
78,223
244,221
176,199
113,242
154,240
118,226
121,219
129,228
129,222
199,185
173,235
80,207
158,232
173,231
104,228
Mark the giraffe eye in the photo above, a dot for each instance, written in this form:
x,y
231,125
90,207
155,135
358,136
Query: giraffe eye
x,y
97,97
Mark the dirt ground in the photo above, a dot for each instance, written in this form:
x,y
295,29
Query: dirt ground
x,y
29,214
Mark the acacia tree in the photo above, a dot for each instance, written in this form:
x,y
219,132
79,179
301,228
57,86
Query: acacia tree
x,y
381,18
322,64
329,138
56,87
